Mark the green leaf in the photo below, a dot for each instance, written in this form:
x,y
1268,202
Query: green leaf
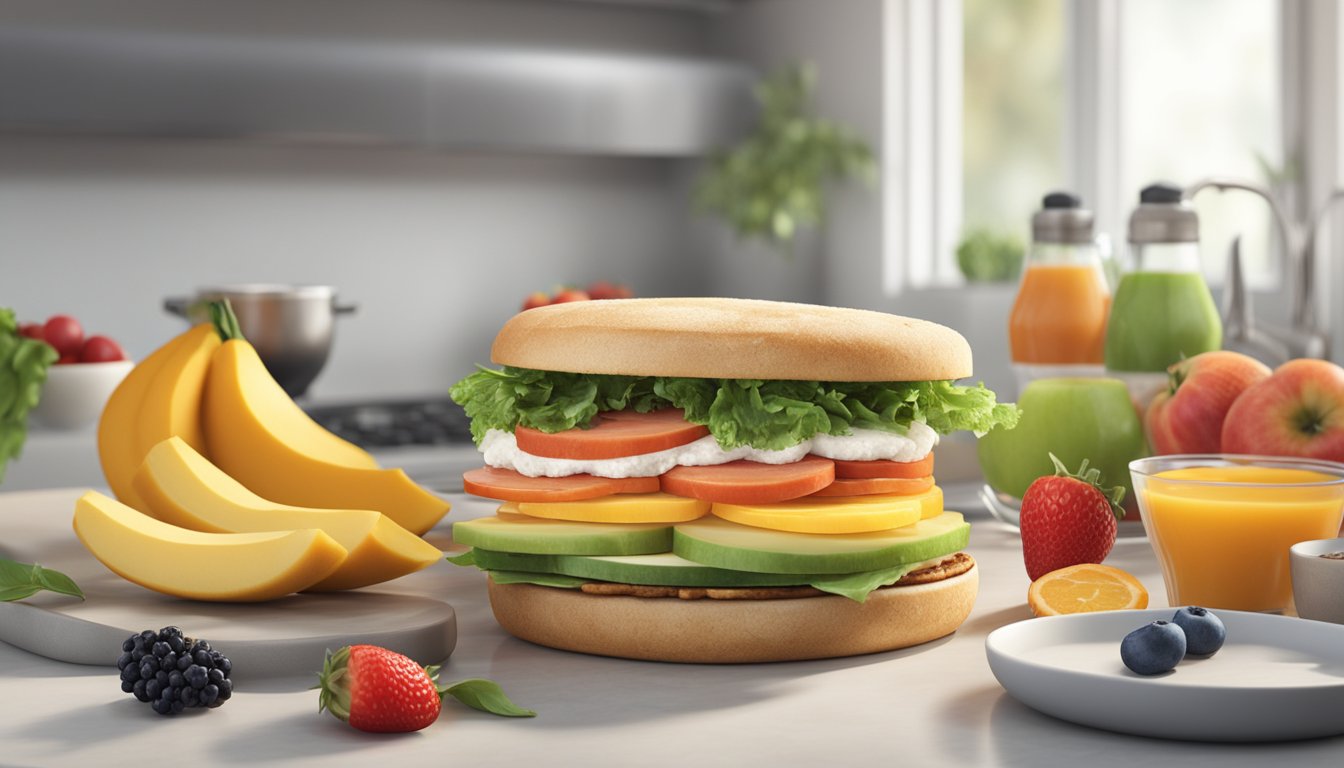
x,y
466,558
487,696
540,579
20,580
771,184
769,415
857,586
23,371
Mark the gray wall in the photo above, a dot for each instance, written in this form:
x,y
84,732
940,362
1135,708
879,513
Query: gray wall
x,y
438,249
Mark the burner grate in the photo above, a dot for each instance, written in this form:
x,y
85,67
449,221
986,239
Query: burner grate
x,y
393,423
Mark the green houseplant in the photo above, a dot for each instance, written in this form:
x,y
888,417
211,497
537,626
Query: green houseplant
x,y
771,184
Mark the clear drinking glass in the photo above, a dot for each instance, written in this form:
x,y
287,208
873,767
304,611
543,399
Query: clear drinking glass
x,y
1221,525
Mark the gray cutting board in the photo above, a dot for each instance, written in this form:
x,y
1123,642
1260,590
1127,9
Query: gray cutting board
x,y
285,637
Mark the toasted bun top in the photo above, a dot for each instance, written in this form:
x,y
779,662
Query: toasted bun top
x,y
730,339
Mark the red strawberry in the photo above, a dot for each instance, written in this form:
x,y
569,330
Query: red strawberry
x,y
378,690
1068,519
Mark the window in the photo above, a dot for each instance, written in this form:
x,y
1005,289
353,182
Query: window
x,y
1097,96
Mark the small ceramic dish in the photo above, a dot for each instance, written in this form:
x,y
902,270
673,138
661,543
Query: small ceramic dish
x,y
74,394
1318,582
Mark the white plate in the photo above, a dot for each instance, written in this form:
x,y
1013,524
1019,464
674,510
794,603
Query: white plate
x,y
1277,678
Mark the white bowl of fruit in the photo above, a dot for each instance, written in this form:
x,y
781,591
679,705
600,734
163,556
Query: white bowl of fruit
x,y
81,380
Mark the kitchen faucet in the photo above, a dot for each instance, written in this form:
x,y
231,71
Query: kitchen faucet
x,y
1303,338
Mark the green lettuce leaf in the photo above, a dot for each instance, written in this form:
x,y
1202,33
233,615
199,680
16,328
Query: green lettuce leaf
x,y
857,586
769,415
540,579
23,371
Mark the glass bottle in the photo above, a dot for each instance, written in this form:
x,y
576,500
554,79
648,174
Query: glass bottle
x,y
1163,310
1058,323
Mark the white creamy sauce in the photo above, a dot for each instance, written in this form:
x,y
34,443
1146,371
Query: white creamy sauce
x,y
501,450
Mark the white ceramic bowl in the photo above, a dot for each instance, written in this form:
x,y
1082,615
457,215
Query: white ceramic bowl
x,y
1318,582
75,393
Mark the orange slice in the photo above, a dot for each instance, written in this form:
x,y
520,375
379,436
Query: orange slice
x,y
1084,589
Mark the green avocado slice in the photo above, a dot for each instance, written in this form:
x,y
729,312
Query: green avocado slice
x,y
718,543
541,536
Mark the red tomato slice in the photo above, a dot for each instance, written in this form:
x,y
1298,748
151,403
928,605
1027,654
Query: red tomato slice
x,y
613,434
866,486
749,482
921,468
508,485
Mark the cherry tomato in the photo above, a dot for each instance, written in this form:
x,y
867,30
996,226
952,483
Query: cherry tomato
x,y
536,299
101,349
64,333
605,289
73,357
570,294
32,331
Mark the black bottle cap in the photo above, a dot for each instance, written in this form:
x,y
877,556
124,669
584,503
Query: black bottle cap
x,y
1161,193
1056,200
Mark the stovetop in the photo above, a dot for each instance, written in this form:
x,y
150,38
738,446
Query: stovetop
x,y
428,437
396,423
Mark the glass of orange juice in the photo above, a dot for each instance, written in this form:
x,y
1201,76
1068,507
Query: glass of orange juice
x,y
1222,525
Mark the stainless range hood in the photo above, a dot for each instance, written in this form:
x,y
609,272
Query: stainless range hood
x,y
458,96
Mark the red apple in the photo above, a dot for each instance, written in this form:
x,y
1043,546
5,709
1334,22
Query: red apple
x,y
1187,417
1297,411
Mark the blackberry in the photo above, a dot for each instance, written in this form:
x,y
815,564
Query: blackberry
x,y
172,672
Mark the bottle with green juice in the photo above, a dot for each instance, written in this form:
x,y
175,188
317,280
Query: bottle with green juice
x,y
1162,310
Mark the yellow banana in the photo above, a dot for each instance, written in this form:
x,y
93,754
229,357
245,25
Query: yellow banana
x,y
118,441
203,566
182,488
260,437
172,402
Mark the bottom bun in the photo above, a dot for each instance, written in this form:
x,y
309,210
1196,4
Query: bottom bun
x,y
734,631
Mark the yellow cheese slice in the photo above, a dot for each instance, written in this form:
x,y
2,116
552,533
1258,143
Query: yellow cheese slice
x,y
620,508
837,514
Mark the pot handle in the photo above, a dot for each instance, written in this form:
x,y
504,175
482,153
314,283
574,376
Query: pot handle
x,y
344,309
178,305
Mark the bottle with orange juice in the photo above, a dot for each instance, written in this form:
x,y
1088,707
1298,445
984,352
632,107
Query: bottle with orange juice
x,y
1058,323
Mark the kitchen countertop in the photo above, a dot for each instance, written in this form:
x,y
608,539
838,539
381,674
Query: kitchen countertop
x,y
936,704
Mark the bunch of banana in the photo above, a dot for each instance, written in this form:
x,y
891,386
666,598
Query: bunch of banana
x,y
255,462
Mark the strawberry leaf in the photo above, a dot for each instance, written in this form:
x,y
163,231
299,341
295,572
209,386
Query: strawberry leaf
x,y
20,580
487,696
1115,496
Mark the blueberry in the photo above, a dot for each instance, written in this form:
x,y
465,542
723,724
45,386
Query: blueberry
x,y
196,676
128,644
225,689
141,692
176,644
148,668
162,706
123,661
131,673
209,694
1153,648
161,649
215,676
127,686
183,662
168,663
153,689
168,632
1204,632
176,679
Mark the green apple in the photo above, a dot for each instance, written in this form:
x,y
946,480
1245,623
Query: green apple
x,y
1073,418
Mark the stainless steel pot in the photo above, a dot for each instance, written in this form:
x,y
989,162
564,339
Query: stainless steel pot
x,y
291,326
